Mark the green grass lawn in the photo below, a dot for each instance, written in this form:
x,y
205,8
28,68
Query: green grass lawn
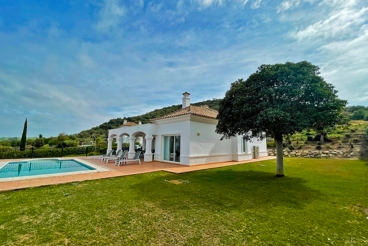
x,y
319,202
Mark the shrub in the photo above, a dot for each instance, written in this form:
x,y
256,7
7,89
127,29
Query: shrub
x,y
291,147
43,152
300,146
309,138
318,147
366,131
271,143
328,146
94,153
318,143
347,135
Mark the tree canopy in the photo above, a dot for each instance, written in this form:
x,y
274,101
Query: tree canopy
x,y
280,100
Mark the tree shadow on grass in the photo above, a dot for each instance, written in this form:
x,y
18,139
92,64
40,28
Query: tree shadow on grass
x,y
230,189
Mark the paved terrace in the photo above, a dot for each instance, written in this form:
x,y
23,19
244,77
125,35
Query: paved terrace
x,y
113,171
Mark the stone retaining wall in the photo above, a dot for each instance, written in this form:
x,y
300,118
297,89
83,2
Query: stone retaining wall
x,y
346,153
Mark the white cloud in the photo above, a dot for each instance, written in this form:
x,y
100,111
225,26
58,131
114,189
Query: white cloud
x,y
342,22
290,4
110,15
153,7
256,4
208,3
346,65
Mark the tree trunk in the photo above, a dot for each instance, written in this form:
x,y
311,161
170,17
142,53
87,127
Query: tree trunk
x,y
280,155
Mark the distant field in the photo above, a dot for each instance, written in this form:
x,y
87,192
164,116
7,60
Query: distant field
x,y
319,202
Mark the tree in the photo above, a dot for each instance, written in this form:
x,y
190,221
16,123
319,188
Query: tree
x,y
280,100
24,137
39,142
359,114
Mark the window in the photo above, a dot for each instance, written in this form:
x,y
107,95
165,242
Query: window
x,y
245,149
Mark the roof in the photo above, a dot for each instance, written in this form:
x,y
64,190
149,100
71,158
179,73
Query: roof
x,y
129,124
203,111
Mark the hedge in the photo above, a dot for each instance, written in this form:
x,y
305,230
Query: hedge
x,y
15,153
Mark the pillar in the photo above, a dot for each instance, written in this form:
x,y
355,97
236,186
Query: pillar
x,y
119,142
148,153
131,152
109,145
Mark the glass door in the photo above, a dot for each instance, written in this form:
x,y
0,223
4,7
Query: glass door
x,y
172,148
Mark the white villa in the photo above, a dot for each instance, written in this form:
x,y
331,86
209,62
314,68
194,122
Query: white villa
x,y
186,137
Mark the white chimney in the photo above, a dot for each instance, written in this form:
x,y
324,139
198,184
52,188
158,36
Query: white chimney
x,y
186,99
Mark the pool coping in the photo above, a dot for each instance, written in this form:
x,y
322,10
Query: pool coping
x,y
85,162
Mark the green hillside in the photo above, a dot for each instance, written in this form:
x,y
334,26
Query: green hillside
x,y
101,130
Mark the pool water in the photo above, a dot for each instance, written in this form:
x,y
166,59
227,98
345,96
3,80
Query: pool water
x,y
41,167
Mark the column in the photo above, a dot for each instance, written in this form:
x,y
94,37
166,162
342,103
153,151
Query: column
x,y
144,144
148,153
109,145
119,142
131,152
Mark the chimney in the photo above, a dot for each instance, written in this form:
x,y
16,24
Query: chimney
x,y
125,121
186,99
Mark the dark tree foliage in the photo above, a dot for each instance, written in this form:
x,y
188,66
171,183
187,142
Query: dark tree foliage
x,y
24,137
102,129
280,100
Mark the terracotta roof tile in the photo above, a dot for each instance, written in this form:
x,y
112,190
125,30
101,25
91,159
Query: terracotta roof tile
x,y
204,111
129,124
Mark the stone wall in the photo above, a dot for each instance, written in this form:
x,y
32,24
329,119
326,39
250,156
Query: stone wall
x,y
340,153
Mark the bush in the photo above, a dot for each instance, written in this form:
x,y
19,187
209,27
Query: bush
x,y
318,143
271,143
328,146
366,131
42,152
300,146
310,138
318,147
291,147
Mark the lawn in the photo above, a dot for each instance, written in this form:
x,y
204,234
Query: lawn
x,y
319,202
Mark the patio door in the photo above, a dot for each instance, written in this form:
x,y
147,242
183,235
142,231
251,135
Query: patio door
x,y
172,148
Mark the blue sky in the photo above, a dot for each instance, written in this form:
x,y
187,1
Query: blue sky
x,y
71,65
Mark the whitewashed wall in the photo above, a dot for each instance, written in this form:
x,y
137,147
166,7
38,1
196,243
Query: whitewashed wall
x,y
206,146
174,128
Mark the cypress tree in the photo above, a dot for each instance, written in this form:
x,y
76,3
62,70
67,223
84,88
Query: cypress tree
x,y
24,137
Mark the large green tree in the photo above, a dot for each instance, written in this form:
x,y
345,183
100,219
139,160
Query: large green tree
x,y
24,137
280,100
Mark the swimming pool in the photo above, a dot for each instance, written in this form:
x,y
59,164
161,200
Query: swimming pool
x,y
42,167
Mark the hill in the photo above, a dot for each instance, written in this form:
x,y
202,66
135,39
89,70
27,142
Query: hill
x,y
102,129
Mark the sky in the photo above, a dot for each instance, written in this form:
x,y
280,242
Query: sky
x,y
68,66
